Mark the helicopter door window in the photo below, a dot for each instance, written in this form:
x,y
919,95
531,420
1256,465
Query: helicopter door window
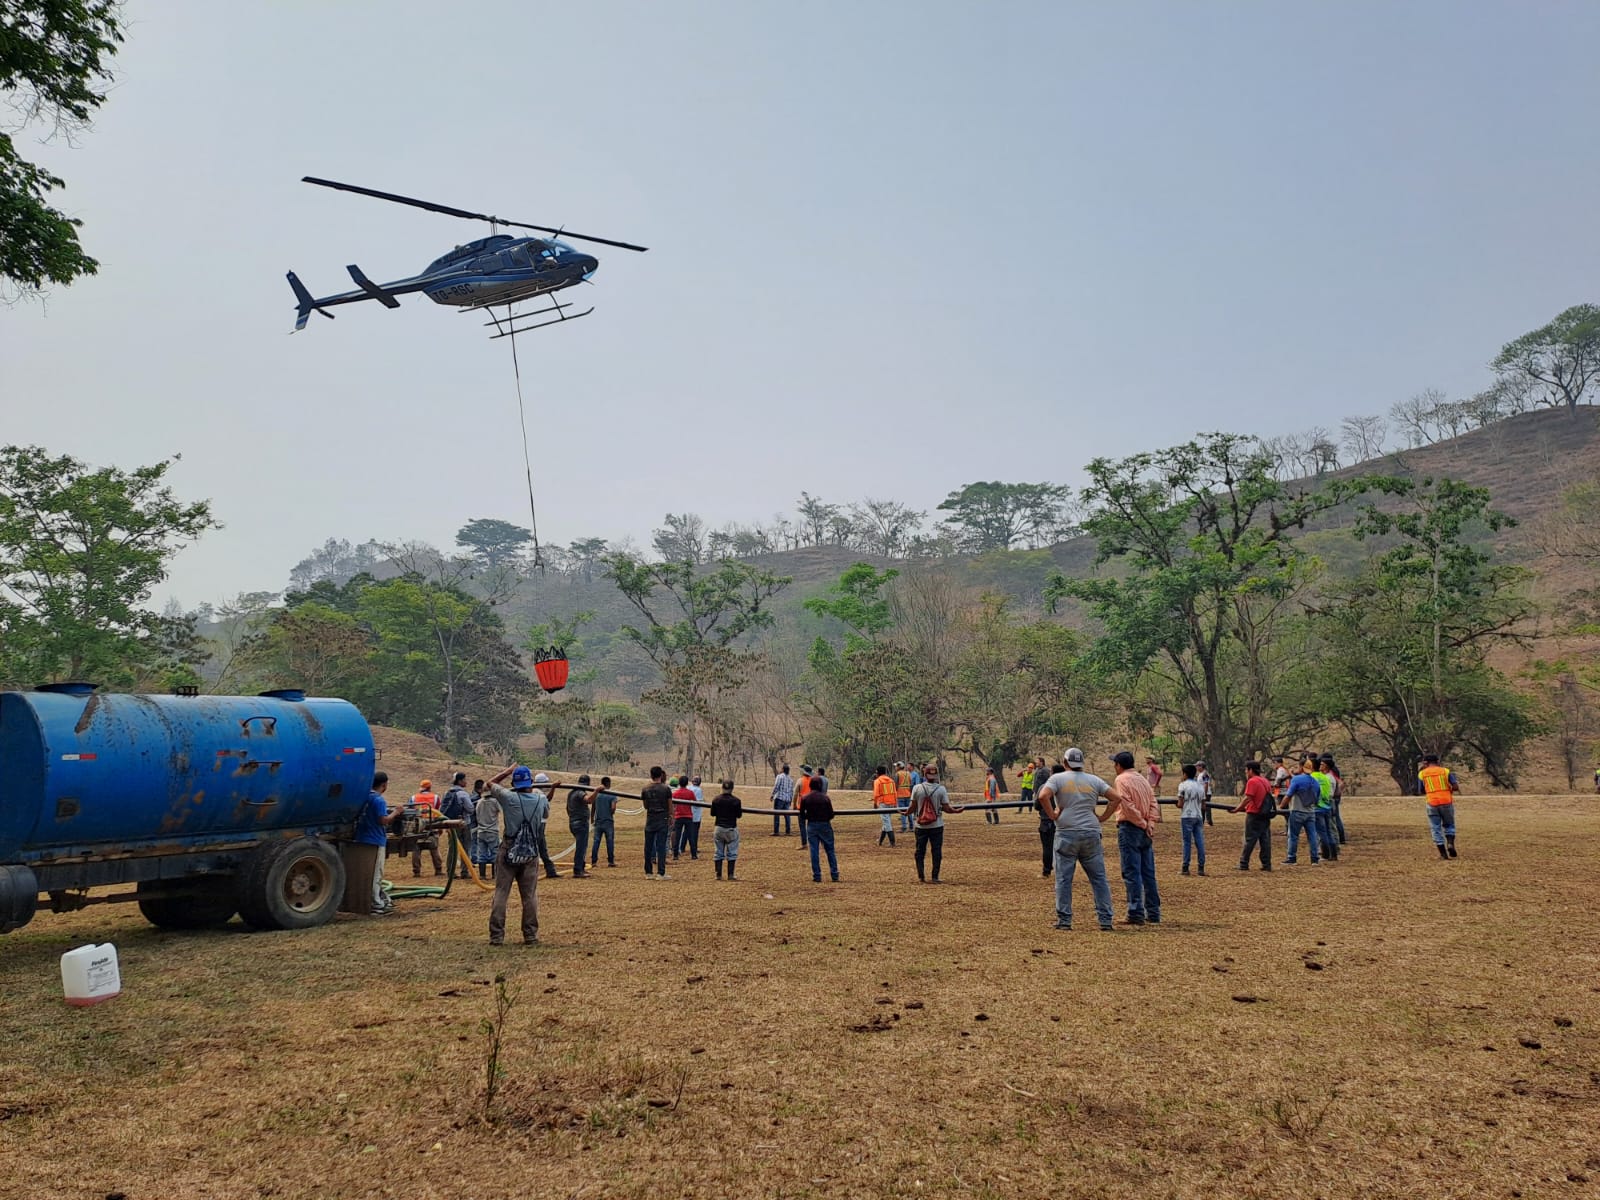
x,y
488,264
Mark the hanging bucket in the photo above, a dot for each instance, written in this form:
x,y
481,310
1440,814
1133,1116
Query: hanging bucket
x,y
550,665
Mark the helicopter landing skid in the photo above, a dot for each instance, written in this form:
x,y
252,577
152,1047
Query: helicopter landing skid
x,y
507,325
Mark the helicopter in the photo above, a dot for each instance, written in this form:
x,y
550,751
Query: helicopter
x,y
494,270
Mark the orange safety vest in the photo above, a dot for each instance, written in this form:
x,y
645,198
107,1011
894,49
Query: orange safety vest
x,y
883,792
1436,784
425,800
802,787
991,789
902,785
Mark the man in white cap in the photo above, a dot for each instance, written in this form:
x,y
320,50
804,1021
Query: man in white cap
x,y
1069,798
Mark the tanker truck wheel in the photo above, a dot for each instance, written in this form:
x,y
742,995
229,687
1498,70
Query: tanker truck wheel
x,y
291,885
207,902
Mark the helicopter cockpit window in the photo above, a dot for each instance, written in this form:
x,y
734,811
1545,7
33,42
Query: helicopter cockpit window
x,y
488,264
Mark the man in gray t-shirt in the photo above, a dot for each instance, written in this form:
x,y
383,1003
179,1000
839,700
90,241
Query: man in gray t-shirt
x,y
1069,798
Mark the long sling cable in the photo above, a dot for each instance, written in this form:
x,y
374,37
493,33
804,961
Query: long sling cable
x,y
527,460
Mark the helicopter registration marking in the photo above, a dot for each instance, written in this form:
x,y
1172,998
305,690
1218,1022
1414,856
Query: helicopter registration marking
x,y
459,289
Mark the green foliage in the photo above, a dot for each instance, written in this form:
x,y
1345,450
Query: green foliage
x,y
53,60
1203,535
693,618
995,516
857,600
410,652
1403,663
81,550
1561,358
492,543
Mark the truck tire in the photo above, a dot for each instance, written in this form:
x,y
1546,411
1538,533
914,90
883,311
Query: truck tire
x,y
19,897
206,902
291,885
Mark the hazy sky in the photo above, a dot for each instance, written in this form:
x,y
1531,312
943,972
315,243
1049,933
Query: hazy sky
x,y
895,247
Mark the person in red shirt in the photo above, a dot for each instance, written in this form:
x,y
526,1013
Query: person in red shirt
x,y
1257,808
1152,772
682,818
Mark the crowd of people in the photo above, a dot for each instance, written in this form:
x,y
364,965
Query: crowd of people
x,y
506,826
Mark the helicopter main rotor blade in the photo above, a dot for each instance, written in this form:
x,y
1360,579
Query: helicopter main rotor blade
x,y
461,212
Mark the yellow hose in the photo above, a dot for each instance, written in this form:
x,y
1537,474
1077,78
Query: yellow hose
x,y
483,886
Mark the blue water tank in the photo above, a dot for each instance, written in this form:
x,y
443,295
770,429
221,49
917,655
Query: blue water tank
x,y
87,774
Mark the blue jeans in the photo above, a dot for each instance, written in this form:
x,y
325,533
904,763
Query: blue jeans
x,y
788,826
1085,848
1194,834
1330,848
905,814
580,841
607,830
820,834
1338,821
1138,853
1308,822
655,850
1442,821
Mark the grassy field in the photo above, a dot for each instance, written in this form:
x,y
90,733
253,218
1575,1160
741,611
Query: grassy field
x,y
1390,1025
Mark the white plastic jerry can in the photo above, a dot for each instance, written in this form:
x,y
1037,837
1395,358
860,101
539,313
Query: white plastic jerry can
x,y
89,974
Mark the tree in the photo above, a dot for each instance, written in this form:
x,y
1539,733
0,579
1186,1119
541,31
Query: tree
x,y
1362,437
1403,667
885,527
817,519
587,553
1561,358
1014,682
492,543
994,516
692,621
54,56
1414,417
337,561
1203,534
857,600
681,539
313,646
81,550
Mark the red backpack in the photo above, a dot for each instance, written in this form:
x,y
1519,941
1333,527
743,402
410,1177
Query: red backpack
x,y
927,805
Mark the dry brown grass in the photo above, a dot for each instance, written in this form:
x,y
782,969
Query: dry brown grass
x,y
874,1038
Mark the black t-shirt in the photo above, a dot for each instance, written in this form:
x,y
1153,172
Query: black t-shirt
x,y
657,800
817,807
577,808
726,810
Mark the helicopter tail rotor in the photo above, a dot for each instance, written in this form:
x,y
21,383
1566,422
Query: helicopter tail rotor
x,y
304,303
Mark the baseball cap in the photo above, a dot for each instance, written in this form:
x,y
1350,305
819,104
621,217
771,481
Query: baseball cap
x,y
521,777
1073,757
541,777
1123,759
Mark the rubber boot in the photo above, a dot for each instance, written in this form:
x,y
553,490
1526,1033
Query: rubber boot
x,y
730,870
891,839
881,836
1443,853
1452,840
719,870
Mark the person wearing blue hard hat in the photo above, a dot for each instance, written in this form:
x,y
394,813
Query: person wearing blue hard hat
x,y
524,809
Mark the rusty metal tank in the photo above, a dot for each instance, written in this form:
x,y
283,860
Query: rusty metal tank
x,y
87,775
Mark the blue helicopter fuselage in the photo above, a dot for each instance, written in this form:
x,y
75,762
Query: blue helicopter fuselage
x,y
499,269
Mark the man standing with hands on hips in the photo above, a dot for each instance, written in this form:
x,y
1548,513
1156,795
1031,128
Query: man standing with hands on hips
x,y
1137,815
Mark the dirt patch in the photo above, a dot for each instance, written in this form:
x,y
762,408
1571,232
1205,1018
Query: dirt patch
x,y
679,1039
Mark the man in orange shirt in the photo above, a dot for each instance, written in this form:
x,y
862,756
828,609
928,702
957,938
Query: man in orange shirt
x,y
885,799
902,795
429,804
802,788
1137,812
1439,785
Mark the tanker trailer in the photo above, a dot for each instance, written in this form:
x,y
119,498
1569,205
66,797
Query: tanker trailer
x,y
208,805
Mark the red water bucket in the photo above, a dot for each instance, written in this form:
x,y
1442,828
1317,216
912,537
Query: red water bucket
x,y
551,666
